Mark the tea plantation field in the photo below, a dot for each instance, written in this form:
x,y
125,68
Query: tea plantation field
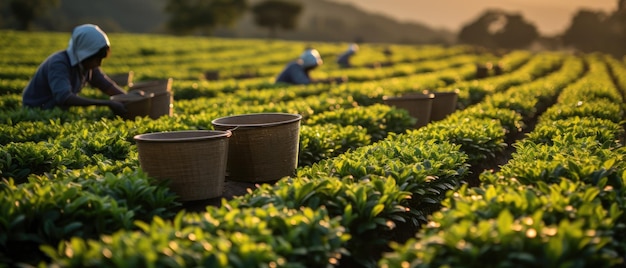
x,y
528,171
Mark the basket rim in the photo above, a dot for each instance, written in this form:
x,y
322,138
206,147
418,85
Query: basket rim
x,y
150,137
451,92
151,83
130,98
296,117
410,97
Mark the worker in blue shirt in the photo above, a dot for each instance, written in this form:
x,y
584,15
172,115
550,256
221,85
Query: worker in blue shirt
x,y
297,72
344,59
60,78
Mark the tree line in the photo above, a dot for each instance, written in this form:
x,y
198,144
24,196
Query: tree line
x,y
185,16
588,31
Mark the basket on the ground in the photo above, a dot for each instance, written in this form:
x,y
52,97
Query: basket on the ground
x,y
417,104
264,146
163,100
122,79
444,104
136,104
194,161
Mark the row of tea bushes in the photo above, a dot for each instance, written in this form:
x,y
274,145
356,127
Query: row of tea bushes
x,y
369,188
557,202
323,141
13,86
473,91
78,203
369,55
219,237
618,71
533,98
377,119
406,69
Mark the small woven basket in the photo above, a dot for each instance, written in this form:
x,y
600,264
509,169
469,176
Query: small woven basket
x,y
163,100
136,105
122,79
417,104
264,146
444,104
193,161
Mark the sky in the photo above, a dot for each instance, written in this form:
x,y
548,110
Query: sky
x,y
549,16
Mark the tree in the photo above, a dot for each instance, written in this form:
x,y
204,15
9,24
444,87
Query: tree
x,y
587,32
275,14
619,20
592,31
499,29
203,15
477,32
516,33
26,11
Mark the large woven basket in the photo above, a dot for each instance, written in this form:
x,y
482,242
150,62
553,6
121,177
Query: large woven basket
x,y
193,161
136,105
417,104
264,146
163,100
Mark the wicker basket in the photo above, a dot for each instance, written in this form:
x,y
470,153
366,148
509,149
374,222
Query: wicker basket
x,y
163,100
193,161
212,75
444,104
136,105
122,79
264,146
417,104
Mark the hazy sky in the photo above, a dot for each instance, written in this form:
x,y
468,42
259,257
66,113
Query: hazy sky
x,y
550,16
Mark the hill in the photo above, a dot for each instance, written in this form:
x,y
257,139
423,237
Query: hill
x,y
330,21
321,20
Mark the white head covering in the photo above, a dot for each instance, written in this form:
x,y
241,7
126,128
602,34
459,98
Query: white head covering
x,y
353,47
310,58
87,40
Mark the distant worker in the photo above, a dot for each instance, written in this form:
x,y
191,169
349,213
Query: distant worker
x,y
388,54
344,59
297,72
60,78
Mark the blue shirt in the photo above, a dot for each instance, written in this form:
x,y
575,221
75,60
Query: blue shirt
x,y
294,74
55,80
344,59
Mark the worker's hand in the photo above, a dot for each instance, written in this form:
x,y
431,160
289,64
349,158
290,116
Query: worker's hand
x,y
118,108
